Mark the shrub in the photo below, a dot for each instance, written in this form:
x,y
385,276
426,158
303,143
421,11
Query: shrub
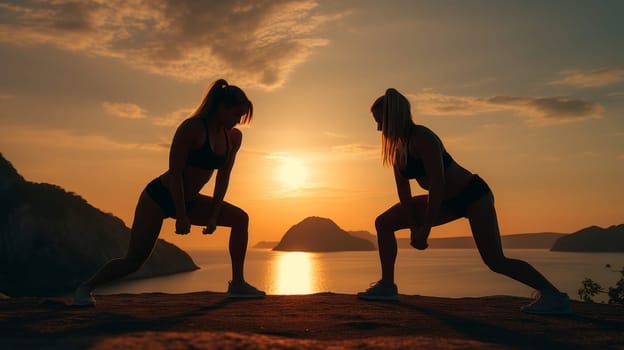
x,y
589,289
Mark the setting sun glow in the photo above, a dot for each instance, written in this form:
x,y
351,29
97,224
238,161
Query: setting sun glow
x,y
292,173
294,273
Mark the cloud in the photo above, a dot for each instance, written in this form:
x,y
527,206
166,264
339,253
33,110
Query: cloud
x,y
124,110
537,110
335,135
592,78
616,94
492,126
65,139
255,43
357,150
174,118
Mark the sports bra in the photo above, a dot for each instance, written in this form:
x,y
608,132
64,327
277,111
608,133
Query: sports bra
x,y
205,157
415,168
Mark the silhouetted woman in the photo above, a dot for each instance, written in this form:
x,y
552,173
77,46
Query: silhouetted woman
x,y
205,142
415,152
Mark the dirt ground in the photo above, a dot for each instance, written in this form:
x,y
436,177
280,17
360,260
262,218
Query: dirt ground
x,y
320,321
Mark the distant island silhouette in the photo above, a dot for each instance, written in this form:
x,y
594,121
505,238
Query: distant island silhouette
x,y
538,240
593,239
316,234
51,239
590,239
543,240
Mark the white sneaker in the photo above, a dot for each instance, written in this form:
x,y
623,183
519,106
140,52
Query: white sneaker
x,y
549,303
83,296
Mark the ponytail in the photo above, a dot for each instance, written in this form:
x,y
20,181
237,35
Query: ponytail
x,y
395,125
230,95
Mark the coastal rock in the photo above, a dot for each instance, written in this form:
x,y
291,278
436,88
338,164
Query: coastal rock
x,y
51,239
265,245
593,239
315,234
365,235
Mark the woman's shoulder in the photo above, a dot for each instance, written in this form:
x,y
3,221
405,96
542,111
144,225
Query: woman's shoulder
x,y
236,136
422,135
188,124
421,132
421,129
192,125
192,122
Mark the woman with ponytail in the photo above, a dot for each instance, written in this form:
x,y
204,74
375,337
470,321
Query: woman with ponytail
x,y
415,152
204,142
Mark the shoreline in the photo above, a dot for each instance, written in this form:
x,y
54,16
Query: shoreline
x,y
315,321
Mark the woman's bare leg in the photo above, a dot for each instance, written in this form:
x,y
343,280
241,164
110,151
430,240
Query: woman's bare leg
x,y
229,216
484,225
386,225
148,218
394,219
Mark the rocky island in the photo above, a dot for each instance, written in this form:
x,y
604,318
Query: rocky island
x,y
316,234
51,239
592,239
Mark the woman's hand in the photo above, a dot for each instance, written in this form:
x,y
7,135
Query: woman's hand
x,y
211,226
183,225
418,236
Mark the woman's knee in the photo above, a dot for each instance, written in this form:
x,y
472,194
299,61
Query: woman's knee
x,y
241,219
393,220
382,224
498,264
134,263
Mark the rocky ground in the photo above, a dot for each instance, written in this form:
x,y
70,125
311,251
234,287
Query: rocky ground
x,y
319,321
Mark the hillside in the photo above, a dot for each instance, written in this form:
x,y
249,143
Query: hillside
x,y
315,234
593,239
51,239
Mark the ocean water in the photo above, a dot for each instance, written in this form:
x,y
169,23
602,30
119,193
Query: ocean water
x,y
434,272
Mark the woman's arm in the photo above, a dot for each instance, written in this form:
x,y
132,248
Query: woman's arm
x,y
430,149
223,180
403,188
178,156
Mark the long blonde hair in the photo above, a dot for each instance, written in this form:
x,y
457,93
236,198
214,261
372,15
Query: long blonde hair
x,y
230,95
396,123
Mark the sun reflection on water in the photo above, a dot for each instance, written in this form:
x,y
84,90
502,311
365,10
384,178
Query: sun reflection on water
x,y
294,273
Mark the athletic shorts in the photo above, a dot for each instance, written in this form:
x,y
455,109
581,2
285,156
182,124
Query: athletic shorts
x,y
161,195
459,204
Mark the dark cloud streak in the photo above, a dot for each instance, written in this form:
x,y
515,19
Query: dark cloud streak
x,y
536,110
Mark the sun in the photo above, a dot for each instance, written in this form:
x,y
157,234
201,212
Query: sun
x,y
292,173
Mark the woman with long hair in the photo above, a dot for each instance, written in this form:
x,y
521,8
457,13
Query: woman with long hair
x,y
204,142
415,152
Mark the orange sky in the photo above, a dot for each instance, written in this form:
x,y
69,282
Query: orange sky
x,y
528,95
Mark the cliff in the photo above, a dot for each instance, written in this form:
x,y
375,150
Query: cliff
x,y
315,234
51,239
592,239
